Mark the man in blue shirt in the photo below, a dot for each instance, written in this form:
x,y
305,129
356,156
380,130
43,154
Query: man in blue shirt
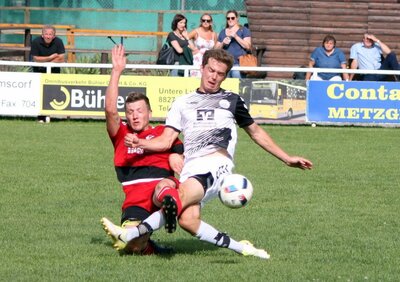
x,y
235,39
367,55
330,57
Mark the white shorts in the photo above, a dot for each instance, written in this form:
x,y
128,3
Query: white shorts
x,y
335,78
215,166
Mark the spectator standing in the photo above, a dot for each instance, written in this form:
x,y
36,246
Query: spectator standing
x,y
178,38
372,54
48,48
235,39
204,38
330,57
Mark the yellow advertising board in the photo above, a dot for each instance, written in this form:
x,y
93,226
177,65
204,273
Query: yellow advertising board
x,y
84,95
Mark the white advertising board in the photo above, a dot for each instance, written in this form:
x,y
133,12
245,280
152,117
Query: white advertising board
x,y
19,94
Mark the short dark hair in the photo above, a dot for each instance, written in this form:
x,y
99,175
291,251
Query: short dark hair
x,y
137,96
329,38
220,55
176,20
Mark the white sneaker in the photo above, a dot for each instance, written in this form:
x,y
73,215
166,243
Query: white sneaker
x,y
116,233
250,250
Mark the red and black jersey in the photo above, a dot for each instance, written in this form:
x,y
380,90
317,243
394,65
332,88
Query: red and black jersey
x,y
135,163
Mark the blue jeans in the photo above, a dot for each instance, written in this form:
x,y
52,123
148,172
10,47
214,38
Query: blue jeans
x,y
389,63
234,73
174,72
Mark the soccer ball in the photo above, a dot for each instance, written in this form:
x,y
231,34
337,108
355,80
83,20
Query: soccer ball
x,y
235,191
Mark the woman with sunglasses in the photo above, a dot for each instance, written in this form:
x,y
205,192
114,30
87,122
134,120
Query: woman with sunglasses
x,y
235,39
204,38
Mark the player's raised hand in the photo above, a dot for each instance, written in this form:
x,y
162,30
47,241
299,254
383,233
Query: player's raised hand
x,y
118,58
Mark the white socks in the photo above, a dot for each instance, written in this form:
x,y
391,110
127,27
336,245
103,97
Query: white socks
x,y
154,222
209,234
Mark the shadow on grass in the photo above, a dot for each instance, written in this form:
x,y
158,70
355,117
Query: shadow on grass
x,y
179,246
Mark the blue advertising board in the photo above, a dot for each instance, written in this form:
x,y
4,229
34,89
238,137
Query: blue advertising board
x,y
353,102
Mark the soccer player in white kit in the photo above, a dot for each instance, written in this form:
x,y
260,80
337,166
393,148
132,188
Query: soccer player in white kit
x,y
207,119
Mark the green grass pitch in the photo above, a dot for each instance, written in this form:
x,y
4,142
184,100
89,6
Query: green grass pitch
x,y
337,222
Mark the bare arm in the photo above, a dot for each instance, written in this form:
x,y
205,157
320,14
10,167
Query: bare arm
x,y
226,41
385,49
353,66
54,58
244,42
265,141
176,46
311,64
60,58
345,75
161,143
218,45
215,38
191,37
111,110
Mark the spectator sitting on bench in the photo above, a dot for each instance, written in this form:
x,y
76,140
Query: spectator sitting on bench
x,y
372,54
330,57
48,48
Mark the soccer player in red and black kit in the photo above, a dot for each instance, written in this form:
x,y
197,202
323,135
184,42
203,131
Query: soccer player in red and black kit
x,y
147,178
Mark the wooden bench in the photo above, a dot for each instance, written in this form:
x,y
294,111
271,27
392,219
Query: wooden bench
x,y
20,49
71,34
27,31
290,30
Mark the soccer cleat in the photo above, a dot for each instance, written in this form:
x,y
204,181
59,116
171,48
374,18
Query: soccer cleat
x,y
170,210
250,250
116,233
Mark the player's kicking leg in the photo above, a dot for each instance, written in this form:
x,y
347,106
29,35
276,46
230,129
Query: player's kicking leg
x,y
170,210
250,250
167,197
121,236
116,233
191,222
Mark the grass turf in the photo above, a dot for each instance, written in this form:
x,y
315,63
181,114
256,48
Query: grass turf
x,y
338,222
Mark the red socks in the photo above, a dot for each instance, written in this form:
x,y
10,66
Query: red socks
x,y
172,192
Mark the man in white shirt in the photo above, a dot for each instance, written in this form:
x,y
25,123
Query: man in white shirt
x,y
367,55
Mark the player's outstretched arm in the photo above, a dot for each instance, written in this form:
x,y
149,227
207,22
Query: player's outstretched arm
x,y
160,143
111,110
267,143
302,163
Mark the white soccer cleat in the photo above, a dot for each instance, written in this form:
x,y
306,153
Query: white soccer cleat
x,y
250,250
116,233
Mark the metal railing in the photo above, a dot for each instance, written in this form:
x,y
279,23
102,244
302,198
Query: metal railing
x,y
187,68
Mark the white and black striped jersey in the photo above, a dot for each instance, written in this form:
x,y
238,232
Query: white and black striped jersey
x,y
208,121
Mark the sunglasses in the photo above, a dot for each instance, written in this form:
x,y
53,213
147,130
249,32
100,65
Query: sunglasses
x,y
230,18
206,21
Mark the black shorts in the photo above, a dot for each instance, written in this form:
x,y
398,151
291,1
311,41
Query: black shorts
x,y
134,213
